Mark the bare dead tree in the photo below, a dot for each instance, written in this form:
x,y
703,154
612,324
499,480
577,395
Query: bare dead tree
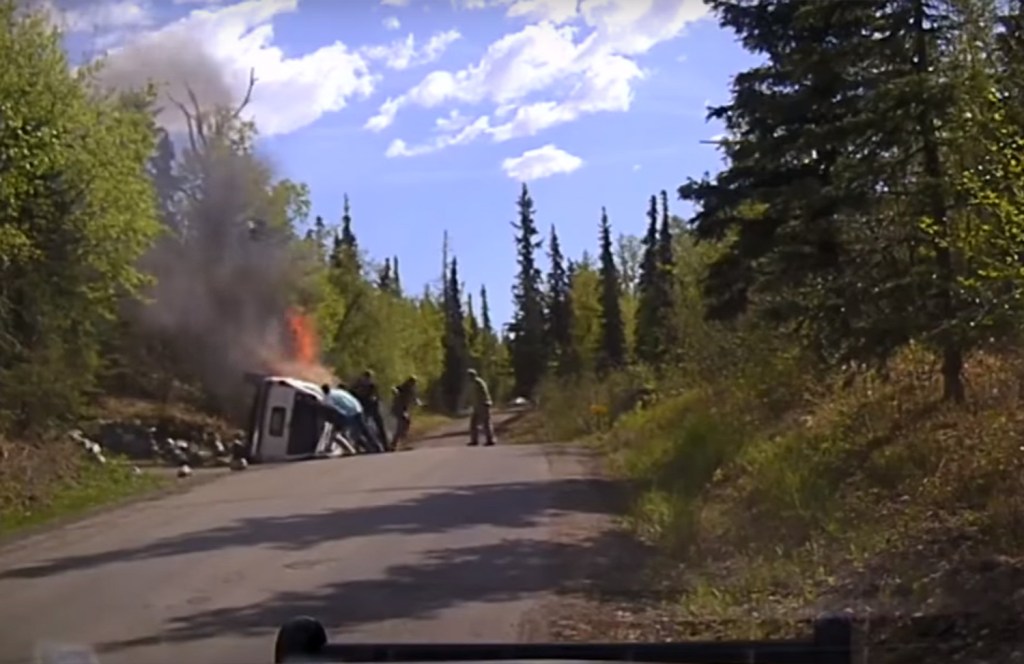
x,y
201,124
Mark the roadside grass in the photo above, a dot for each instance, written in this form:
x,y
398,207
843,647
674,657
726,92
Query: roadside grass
x,y
782,495
528,429
424,422
52,480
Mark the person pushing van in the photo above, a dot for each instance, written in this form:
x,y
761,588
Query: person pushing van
x,y
345,412
365,389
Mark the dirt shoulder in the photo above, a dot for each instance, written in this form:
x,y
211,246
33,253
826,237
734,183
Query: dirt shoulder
x,y
612,593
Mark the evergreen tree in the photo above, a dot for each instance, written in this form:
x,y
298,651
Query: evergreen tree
x,y
647,318
472,325
834,205
529,348
485,313
385,279
456,350
396,278
345,247
668,325
558,322
444,265
348,237
320,232
613,336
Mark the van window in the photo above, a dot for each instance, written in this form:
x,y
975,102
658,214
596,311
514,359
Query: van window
x,y
277,421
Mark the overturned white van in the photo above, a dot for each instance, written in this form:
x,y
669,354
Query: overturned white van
x,y
287,423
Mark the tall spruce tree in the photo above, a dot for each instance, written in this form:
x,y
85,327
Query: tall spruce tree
x,y
485,313
835,203
472,324
396,277
456,347
528,346
559,328
667,291
613,335
385,279
345,248
646,332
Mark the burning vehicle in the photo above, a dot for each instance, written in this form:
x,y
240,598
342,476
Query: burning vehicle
x,y
287,422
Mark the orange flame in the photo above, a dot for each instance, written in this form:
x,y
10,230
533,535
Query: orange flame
x,y
304,341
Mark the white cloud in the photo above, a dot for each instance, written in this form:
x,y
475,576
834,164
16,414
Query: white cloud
x,y
403,53
392,23
212,50
540,163
394,3
98,16
576,60
558,11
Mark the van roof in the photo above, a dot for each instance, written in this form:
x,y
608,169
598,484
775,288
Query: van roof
x,y
297,384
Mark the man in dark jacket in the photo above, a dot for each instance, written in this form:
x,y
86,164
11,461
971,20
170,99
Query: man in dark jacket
x,y
403,399
365,389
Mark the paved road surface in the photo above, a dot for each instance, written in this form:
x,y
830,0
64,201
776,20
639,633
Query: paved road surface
x,y
438,543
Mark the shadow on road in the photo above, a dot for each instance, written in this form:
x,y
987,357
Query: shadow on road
x,y
442,578
445,578
513,505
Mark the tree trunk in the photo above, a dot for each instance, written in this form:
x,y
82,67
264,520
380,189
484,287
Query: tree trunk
x,y
952,374
952,353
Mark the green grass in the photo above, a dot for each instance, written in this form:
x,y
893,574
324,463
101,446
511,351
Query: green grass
x,y
425,422
780,493
51,479
86,486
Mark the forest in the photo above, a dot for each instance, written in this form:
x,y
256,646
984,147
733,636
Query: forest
x,y
820,369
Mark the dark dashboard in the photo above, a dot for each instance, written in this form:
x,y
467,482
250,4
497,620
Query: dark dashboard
x,y
305,640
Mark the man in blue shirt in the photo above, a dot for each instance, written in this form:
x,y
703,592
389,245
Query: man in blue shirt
x,y
346,413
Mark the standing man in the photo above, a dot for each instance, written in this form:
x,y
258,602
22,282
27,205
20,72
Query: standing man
x,y
481,416
366,391
403,398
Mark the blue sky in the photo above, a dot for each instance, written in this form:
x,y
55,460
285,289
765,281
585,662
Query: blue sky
x,y
430,113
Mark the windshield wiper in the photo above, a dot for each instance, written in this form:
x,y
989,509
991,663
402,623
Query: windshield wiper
x,y
305,640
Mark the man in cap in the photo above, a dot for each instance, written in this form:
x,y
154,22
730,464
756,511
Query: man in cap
x,y
481,416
